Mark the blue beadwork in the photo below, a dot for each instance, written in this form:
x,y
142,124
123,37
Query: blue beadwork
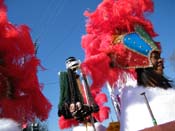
x,y
134,42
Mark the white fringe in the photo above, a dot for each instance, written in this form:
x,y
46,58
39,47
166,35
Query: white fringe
x,y
98,127
9,125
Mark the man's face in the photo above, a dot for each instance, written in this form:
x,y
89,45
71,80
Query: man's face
x,y
157,62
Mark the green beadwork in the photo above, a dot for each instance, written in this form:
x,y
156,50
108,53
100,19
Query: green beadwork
x,y
145,36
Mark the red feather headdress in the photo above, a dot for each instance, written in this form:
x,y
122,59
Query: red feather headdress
x,y
118,39
21,97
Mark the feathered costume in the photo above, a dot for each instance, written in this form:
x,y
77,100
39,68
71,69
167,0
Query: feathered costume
x,y
108,52
119,40
21,97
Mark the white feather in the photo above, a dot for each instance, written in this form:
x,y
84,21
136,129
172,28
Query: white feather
x,y
9,125
98,127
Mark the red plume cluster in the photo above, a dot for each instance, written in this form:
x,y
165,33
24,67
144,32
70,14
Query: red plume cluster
x,y
20,92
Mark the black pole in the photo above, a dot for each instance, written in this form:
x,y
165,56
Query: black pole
x,y
89,97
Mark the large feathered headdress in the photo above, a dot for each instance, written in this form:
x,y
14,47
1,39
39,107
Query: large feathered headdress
x,y
119,39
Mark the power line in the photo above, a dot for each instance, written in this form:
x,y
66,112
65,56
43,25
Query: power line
x,y
48,15
51,83
63,40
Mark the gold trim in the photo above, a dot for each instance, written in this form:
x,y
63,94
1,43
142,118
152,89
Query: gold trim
x,y
117,39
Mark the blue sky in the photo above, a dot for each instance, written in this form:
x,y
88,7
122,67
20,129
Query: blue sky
x,y
58,25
